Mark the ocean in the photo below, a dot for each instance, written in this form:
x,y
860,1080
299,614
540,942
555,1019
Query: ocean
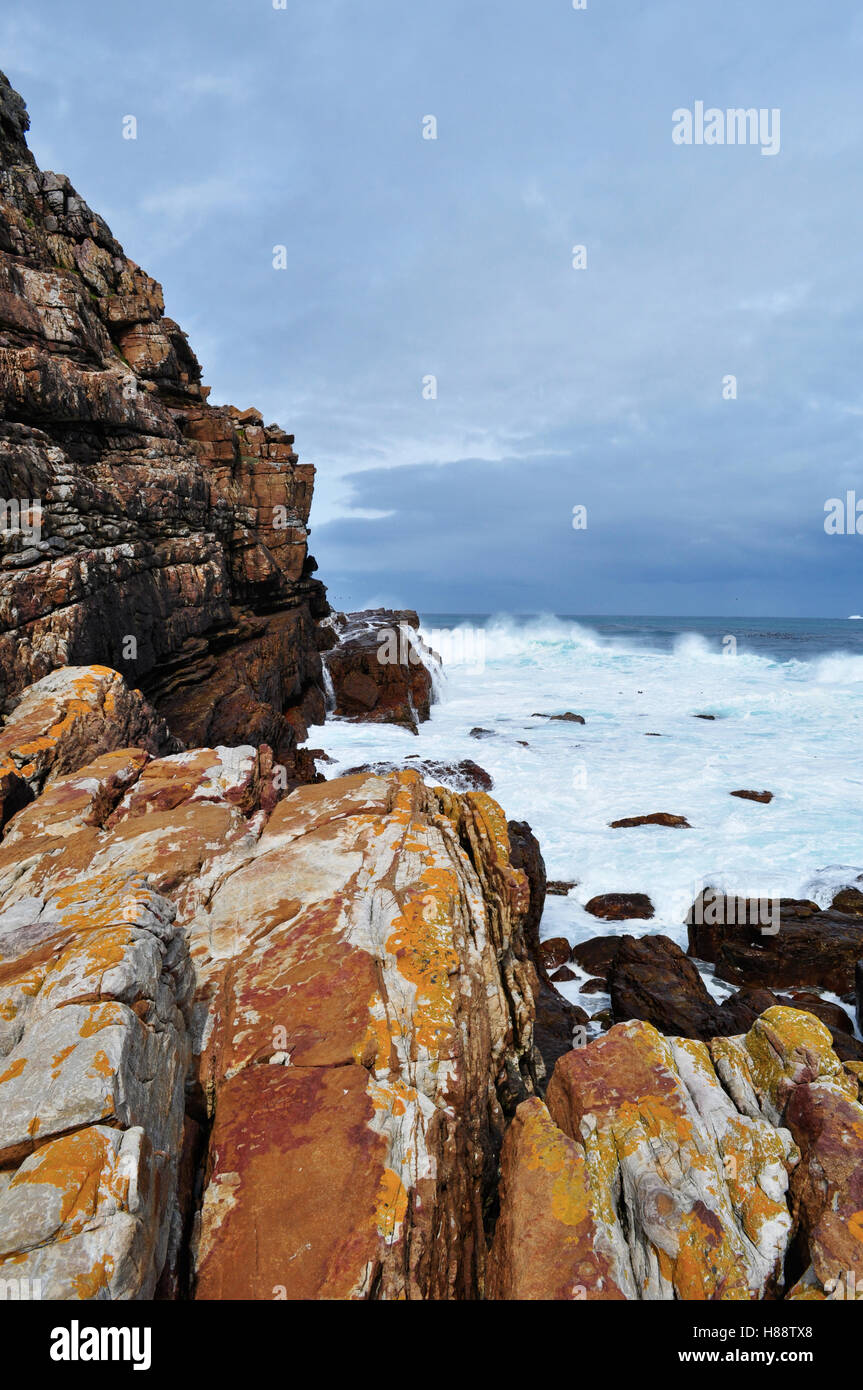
x,y
787,700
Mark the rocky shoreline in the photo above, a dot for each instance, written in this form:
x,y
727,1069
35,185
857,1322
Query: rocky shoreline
x,y
265,1035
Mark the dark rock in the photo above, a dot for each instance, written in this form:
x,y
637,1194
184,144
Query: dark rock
x,y
558,887
605,1018
850,901
595,956
482,733
555,952
858,975
761,942
594,987
704,716
764,797
651,979
620,907
563,976
657,818
554,1031
567,718
525,854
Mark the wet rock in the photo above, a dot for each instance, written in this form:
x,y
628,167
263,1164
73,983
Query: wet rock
x,y
380,668
596,986
620,907
462,777
525,854
778,944
764,797
559,887
850,901
555,952
651,979
568,718
596,956
704,716
656,818
563,976
482,733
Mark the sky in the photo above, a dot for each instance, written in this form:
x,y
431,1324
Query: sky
x,y
601,384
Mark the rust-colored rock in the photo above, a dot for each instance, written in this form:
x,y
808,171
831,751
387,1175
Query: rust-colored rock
x,y
549,1240
764,797
380,668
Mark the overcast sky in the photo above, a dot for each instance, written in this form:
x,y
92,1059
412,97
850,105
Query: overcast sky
x,y
408,258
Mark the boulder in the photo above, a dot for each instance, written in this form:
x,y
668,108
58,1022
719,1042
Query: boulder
x,y
656,818
597,955
673,1169
380,668
679,1195
620,907
764,797
555,952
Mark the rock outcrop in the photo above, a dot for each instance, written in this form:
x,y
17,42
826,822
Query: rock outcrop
x,y
142,528
251,1046
776,944
380,668
666,1168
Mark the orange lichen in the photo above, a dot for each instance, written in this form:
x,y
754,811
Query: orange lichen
x,y
14,1070
391,1204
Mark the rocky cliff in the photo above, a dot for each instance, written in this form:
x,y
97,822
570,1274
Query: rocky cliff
x,y
143,529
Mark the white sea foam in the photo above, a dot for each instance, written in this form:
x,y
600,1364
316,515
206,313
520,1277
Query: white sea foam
x,y
794,728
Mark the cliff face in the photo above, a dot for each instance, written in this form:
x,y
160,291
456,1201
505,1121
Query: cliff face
x,y
143,529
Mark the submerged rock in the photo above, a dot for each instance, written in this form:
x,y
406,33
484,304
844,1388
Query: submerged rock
x,y
656,818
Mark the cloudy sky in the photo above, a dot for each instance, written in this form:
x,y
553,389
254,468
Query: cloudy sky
x,y
409,258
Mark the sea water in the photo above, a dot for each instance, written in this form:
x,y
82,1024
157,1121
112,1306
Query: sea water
x,y
787,701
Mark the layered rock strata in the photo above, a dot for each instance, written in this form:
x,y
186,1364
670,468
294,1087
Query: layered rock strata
x,y
142,528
